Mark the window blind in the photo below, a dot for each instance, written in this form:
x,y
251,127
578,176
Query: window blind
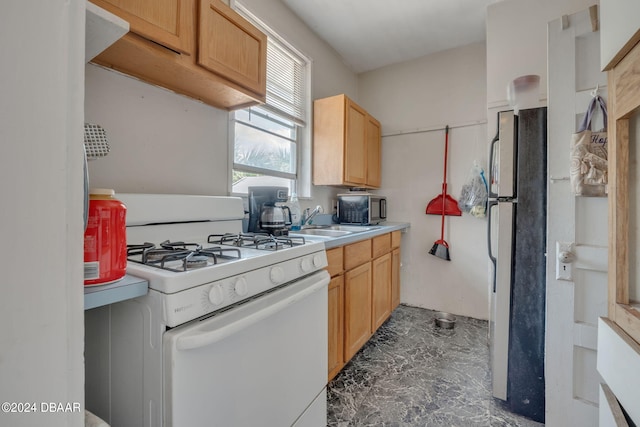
x,y
286,80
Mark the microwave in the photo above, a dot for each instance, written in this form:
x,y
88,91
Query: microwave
x,y
361,208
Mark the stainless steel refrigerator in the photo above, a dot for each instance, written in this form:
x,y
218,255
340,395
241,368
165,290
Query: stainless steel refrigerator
x,y
517,227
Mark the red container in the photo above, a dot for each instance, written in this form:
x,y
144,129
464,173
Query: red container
x,y
105,239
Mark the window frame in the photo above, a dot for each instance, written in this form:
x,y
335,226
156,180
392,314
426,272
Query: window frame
x,y
303,134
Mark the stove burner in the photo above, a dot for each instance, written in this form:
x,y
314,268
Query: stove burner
x,y
235,239
273,243
179,256
139,249
261,241
180,245
158,255
196,261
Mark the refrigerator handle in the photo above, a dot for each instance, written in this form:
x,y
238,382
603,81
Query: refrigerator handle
x,y
490,205
492,164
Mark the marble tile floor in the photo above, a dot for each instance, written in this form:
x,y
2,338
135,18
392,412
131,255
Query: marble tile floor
x,y
412,373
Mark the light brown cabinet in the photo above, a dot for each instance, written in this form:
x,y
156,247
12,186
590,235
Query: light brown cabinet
x,y
357,253
396,237
364,290
357,309
374,152
336,311
169,23
381,290
395,278
220,61
346,144
231,47
336,326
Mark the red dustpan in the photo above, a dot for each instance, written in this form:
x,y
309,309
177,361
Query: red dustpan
x,y
444,204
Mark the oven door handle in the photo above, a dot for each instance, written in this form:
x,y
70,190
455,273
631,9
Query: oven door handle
x,y
198,339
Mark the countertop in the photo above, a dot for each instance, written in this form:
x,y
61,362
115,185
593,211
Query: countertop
x,y
126,288
334,242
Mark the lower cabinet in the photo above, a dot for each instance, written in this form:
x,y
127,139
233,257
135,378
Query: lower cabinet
x,y
364,290
395,278
381,290
336,325
357,311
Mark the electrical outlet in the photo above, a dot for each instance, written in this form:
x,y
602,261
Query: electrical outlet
x,y
564,261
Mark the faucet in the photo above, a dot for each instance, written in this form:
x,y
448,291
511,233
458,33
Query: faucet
x,y
307,216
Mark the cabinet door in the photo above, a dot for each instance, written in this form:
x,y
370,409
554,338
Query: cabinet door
x,y
355,166
169,23
395,278
335,261
380,245
328,140
381,290
230,46
396,237
357,309
357,253
374,173
336,326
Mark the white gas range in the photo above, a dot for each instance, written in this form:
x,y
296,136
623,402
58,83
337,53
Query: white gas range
x,y
232,332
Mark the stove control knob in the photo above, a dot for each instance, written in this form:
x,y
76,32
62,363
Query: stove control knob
x,y
241,286
216,295
276,275
306,265
317,261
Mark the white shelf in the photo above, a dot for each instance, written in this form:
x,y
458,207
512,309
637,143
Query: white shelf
x,y
126,288
102,28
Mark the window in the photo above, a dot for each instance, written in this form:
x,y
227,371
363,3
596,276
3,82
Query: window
x,y
270,143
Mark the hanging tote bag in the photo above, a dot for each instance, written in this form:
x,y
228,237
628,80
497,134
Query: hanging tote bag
x,y
589,165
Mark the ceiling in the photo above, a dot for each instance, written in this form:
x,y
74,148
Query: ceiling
x,y
370,34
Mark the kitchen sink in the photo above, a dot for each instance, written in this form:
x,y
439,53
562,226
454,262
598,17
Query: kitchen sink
x,y
323,232
335,230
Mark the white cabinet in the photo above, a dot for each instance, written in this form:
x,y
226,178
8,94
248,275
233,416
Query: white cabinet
x,y
618,359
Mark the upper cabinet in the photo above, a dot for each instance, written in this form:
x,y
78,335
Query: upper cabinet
x,y
169,23
374,148
199,48
346,144
231,47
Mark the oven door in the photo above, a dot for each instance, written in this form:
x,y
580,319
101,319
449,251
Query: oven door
x,y
263,363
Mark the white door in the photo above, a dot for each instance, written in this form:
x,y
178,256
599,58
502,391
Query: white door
x,y
573,306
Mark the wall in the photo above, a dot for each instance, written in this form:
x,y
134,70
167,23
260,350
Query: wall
x,y
41,308
517,47
619,29
166,143
431,92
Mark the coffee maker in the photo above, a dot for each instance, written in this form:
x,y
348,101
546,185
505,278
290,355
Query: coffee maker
x,y
265,214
